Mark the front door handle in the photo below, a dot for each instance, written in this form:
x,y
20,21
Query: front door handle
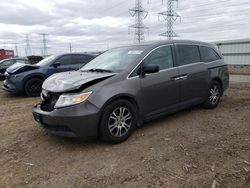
x,y
177,78
184,77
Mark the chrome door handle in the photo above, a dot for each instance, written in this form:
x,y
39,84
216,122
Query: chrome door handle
x,y
183,77
175,78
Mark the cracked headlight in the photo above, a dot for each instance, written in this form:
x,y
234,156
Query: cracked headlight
x,y
71,99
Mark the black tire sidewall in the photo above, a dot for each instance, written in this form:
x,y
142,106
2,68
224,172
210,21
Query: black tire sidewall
x,y
208,103
104,132
28,84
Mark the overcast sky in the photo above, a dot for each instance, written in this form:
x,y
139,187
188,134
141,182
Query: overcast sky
x,y
92,25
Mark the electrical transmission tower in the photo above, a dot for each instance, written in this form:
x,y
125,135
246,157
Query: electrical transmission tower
x,y
16,49
28,48
170,16
45,49
139,13
70,47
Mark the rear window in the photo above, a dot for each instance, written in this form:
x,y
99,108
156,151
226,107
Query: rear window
x,y
208,54
188,54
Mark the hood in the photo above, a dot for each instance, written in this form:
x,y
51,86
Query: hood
x,y
18,66
73,80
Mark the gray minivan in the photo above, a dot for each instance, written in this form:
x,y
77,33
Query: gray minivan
x,y
127,86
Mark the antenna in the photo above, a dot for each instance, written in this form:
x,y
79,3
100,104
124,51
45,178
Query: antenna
x,y
139,13
171,16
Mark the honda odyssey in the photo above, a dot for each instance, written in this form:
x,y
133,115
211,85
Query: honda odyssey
x,y
127,86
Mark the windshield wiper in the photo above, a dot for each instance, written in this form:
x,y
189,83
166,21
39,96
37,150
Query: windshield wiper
x,y
98,70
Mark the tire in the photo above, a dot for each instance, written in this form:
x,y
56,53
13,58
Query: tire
x,y
113,128
214,95
33,87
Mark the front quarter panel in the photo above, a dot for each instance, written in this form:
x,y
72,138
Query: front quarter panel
x,y
119,88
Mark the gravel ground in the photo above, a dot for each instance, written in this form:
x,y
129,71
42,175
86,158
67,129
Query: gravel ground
x,y
193,148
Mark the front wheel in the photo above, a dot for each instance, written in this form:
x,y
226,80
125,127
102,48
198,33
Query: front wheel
x,y
214,95
33,87
118,121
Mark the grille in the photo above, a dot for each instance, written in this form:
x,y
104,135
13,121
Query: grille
x,y
59,128
49,101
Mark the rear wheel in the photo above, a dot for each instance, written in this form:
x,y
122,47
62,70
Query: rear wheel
x,y
118,121
214,95
33,87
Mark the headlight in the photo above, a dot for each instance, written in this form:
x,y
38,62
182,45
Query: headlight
x,y
71,99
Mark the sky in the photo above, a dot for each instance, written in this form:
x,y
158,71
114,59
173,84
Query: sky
x,y
97,25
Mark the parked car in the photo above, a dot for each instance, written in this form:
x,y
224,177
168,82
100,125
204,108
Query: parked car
x,y
6,63
29,78
127,86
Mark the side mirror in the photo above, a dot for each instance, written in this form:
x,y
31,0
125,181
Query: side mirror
x,y
56,64
149,69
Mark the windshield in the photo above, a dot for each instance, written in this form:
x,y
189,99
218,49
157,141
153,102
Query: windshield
x,y
46,61
115,60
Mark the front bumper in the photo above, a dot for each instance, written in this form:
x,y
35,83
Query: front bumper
x,y
12,85
2,77
75,121
10,88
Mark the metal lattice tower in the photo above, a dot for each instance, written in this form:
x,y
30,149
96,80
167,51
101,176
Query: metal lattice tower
x,y
45,49
28,48
139,13
70,48
170,16
16,49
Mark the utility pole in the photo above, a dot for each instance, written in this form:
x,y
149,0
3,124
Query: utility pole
x,y
16,49
139,13
170,16
70,48
28,48
45,49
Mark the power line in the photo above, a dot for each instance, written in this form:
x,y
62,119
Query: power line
x,y
171,16
139,13
116,5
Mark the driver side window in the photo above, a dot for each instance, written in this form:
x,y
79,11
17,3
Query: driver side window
x,y
162,57
8,63
64,60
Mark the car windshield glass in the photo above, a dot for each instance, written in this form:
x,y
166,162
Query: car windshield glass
x,y
2,61
46,61
115,60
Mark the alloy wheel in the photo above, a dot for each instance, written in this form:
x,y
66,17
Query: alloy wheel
x,y
36,87
120,121
214,94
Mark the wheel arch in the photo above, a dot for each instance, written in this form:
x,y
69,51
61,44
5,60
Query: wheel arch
x,y
217,79
127,97
40,76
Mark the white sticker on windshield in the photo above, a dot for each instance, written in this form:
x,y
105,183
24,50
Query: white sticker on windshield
x,y
135,52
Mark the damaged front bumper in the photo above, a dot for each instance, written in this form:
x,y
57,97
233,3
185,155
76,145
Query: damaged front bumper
x,y
74,121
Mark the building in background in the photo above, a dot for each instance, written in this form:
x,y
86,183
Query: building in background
x,y
236,54
4,54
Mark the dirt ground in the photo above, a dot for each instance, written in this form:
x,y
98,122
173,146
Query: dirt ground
x,y
193,148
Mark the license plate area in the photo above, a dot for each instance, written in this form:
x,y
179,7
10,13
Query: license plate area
x,y
37,117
